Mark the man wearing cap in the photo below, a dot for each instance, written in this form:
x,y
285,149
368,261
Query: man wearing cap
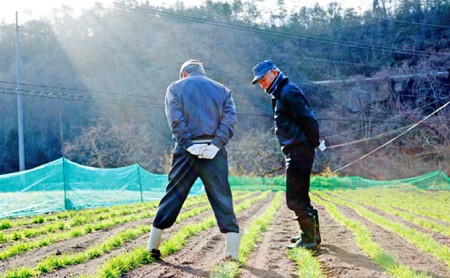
x,y
297,131
201,114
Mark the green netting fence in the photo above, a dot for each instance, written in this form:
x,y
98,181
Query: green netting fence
x,y
65,185
437,180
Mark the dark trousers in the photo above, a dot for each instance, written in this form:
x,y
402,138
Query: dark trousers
x,y
186,168
299,163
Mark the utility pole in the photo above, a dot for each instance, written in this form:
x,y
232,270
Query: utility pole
x,y
19,100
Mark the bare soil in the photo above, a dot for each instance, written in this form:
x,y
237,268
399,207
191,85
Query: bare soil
x,y
338,254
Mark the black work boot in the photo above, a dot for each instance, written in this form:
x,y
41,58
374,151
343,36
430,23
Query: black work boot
x,y
317,229
316,226
155,254
308,236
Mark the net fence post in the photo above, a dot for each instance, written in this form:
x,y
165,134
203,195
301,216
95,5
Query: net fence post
x,y
64,182
139,180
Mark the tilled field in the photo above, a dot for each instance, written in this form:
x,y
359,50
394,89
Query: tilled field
x,y
344,252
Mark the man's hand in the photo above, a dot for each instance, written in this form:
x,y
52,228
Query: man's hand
x,y
197,149
209,152
322,146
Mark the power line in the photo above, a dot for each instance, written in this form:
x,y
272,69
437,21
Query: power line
x,y
407,22
109,48
247,29
76,97
59,95
101,46
79,90
278,33
393,77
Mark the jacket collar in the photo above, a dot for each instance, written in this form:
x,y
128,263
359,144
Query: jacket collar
x,y
275,88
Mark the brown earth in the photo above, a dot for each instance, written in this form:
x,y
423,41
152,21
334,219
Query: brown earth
x,y
339,255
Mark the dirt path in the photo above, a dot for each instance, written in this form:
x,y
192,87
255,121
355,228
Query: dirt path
x,y
270,256
339,253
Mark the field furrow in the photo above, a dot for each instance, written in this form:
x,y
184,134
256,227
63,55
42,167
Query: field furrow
x,y
365,233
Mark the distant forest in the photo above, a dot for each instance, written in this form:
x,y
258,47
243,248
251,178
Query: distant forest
x,y
93,85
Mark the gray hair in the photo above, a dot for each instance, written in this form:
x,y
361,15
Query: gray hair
x,y
192,66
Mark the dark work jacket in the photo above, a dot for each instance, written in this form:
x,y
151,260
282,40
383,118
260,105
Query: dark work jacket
x,y
295,122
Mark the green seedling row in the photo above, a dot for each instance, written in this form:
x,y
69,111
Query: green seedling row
x,y
386,207
364,240
441,196
120,210
70,223
56,262
40,219
418,204
423,241
53,263
22,247
431,198
124,262
307,265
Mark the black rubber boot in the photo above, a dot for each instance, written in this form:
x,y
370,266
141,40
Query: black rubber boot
x,y
316,226
308,236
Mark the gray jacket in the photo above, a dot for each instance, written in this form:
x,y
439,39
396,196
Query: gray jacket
x,y
198,107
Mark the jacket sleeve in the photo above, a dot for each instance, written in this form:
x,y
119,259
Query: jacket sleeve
x,y
177,122
304,116
225,131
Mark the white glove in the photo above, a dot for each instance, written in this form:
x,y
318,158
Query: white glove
x,y
322,146
209,152
197,149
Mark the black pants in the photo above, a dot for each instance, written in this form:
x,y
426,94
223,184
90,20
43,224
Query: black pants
x,y
186,168
299,163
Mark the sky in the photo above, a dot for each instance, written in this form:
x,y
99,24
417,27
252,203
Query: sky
x,y
28,10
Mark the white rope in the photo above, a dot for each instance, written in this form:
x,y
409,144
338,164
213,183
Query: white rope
x,y
393,139
369,138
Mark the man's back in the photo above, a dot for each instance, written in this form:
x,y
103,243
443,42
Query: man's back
x,y
201,103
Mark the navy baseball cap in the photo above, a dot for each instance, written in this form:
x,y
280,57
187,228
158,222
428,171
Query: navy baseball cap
x,y
261,69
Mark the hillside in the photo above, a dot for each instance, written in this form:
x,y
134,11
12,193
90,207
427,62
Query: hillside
x,y
94,84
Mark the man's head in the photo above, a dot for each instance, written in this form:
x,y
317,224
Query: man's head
x,y
265,72
191,66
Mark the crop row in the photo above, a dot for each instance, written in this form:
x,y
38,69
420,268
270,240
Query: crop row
x,y
46,239
126,261
54,262
421,240
420,204
83,216
386,206
365,240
